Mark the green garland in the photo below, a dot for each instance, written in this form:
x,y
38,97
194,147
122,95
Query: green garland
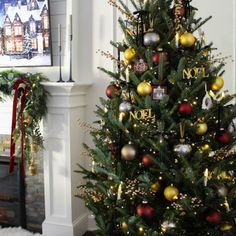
x,y
35,107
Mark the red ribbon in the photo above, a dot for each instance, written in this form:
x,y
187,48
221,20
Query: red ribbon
x,y
19,84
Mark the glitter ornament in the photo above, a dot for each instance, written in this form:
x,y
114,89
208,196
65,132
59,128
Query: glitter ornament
x,y
140,66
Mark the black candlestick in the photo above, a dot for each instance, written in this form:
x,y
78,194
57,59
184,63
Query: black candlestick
x,y
60,75
70,76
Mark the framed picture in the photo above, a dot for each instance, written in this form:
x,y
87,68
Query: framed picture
x,y
158,92
25,38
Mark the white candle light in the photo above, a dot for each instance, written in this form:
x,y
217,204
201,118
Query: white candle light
x,y
70,26
127,74
59,35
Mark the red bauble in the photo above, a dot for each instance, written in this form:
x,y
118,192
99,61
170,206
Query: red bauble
x,y
214,218
185,109
145,210
157,55
112,90
114,148
224,138
146,159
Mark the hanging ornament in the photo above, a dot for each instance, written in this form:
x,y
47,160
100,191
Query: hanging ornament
x,y
112,91
151,38
34,148
28,119
129,54
144,88
206,177
187,39
128,152
157,55
218,83
128,96
232,126
167,226
224,138
222,191
155,187
214,217
182,149
205,147
147,160
125,107
171,193
124,226
179,10
226,226
114,148
140,66
122,116
145,211
185,109
207,101
32,168
201,128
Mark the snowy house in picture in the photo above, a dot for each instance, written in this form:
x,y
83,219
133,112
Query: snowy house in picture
x,y
33,32
8,35
1,42
45,27
18,33
33,5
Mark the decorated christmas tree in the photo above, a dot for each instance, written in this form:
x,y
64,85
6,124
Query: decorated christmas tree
x,y
163,162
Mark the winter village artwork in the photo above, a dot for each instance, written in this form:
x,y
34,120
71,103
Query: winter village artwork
x,y
25,33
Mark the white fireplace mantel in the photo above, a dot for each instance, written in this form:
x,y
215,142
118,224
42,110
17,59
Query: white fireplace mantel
x,y
65,213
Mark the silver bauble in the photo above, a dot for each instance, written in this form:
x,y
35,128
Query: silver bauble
x,y
128,152
183,149
125,106
167,225
151,39
222,191
232,126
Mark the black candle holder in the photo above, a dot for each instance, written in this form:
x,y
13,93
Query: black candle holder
x,y
60,74
70,75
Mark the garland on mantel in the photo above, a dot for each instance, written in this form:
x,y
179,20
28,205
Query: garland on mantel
x,y
29,107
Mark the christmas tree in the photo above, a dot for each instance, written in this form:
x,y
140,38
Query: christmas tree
x,y
163,162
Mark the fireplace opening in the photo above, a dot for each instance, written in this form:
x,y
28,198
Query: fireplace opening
x,y
12,195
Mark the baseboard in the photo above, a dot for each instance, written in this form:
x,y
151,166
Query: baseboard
x,y
91,223
80,225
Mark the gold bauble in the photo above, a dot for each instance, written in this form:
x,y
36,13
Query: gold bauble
x,y
205,147
129,54
34,148
201,128
28,119
155,187
171,193
218,83
226,226
128,152
144,88
187,39
32,169
124,226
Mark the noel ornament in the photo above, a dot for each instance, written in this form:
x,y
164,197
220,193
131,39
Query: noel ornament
x,y
140,66
151,38
206,102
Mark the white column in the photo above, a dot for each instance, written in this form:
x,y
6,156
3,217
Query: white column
x,y
65,214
